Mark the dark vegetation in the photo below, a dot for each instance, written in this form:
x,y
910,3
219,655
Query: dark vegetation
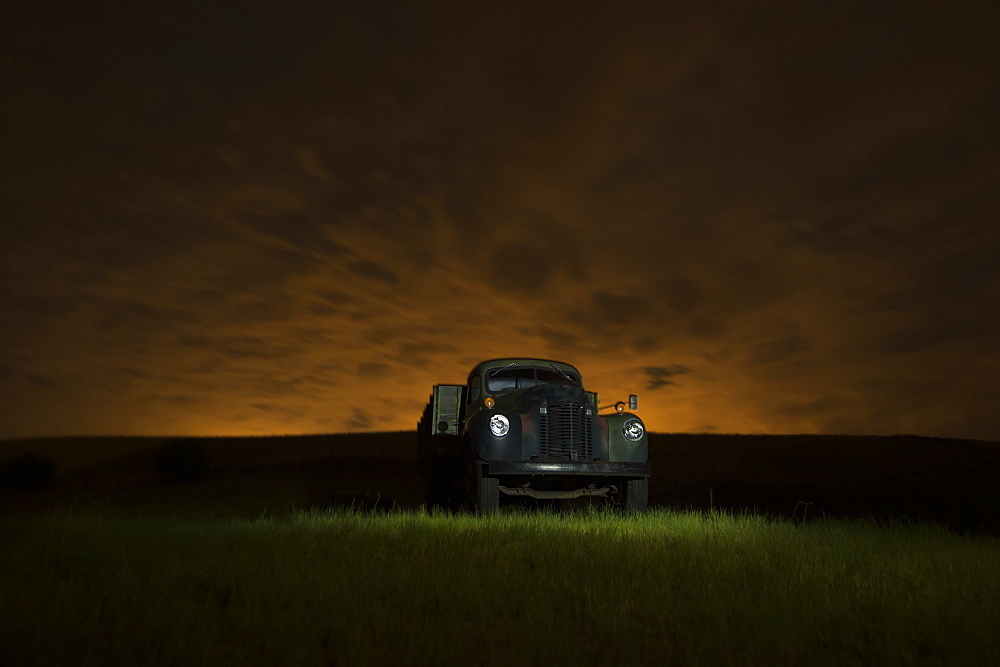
x,y
182,461
883,477
26,473
944,480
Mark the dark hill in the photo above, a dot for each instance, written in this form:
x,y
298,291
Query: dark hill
x,y
947,480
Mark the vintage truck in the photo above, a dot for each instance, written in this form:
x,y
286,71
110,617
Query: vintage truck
x,y
526,428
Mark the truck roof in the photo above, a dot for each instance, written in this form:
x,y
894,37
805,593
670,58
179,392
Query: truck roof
x,y
522,361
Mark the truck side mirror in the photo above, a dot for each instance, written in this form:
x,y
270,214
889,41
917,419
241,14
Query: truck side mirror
x,y
633,402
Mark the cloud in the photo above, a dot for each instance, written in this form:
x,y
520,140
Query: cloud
x,y
774,351
295,228
422,349
135,317
238,347
821,407
658,375
373,369
334,297
181,400
359,421
20,304
276,307
682,293
622,308
928,336
373,270
555,337
518,267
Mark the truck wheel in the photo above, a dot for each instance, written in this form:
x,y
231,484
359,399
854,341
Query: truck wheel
x,y
487,492
636,495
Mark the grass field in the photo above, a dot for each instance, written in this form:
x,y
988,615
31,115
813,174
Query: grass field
x,y
112,587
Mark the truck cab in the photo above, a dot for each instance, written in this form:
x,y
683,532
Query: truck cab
x,y
524,427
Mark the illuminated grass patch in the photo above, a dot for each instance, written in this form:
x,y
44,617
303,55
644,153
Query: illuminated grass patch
x,y
409,588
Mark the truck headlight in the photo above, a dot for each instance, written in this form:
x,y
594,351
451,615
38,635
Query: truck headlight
x,y
499,425
633,429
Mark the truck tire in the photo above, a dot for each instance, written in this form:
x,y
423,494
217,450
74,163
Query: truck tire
x,y
636,495
487,492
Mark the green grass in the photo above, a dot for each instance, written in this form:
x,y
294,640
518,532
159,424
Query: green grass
x,y
86,587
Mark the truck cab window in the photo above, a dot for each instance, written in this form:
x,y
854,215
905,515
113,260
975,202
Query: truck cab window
x,y
508,379
545,376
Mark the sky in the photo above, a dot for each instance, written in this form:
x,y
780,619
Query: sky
x,y
298,218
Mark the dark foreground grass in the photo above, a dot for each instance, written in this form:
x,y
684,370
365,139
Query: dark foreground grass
x,y
320,588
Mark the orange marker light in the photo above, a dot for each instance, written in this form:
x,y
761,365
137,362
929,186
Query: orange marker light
x,y
489,402
620,407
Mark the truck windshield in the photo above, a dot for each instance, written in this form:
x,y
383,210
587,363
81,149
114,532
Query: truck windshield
x,y
507,379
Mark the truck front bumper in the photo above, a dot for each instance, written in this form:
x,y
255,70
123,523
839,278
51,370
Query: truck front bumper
x,y
568,468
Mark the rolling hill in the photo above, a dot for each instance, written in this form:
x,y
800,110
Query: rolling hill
x,y
947,480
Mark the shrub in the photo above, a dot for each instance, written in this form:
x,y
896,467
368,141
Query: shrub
x,y
27,473
182,461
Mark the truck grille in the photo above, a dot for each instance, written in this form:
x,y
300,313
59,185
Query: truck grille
x,y
565,431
